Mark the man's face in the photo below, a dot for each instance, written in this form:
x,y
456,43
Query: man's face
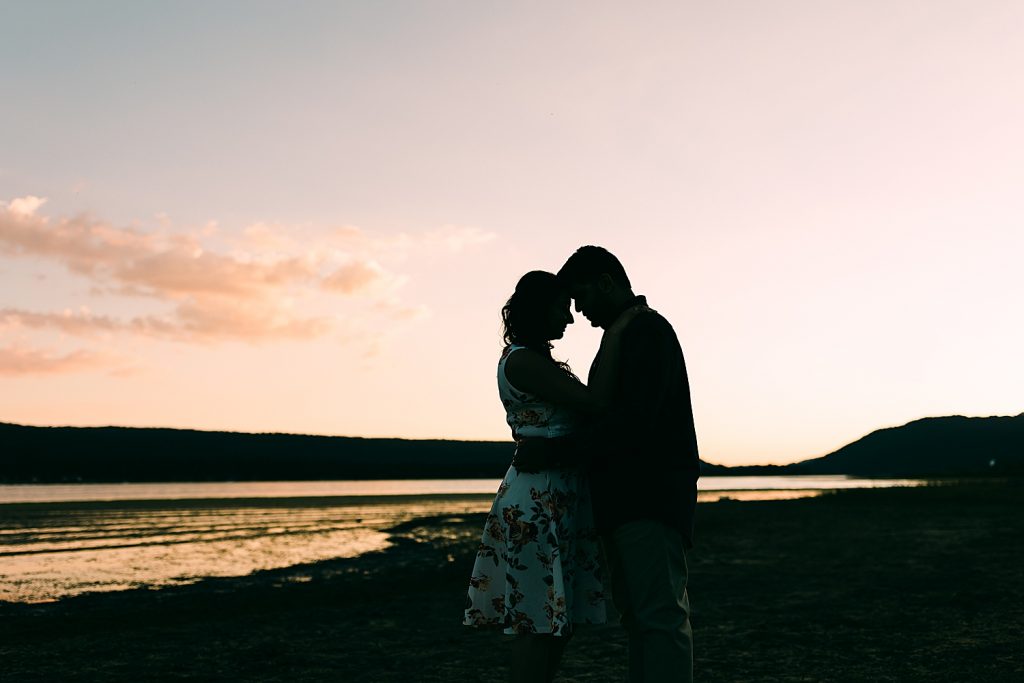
x,y
591,302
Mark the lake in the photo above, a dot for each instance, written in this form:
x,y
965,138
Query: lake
x,y
59,540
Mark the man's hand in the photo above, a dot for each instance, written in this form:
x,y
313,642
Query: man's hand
x,y
532,455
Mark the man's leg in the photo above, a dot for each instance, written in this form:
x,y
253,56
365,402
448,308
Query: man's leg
x,y
620,599
650,561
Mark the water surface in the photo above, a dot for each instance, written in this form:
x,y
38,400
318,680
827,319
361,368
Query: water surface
x,y
58,540
54,493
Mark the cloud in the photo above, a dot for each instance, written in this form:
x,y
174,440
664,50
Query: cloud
x,y
211,320
19,361
355,276
213,294
191,320
163,265
23,206
207,286
70,322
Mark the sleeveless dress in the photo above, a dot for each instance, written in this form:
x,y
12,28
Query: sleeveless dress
x,y
537,567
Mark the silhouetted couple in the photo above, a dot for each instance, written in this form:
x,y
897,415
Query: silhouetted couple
x,y
608,465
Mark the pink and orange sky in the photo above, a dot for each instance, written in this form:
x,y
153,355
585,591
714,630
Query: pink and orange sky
x,y
305,217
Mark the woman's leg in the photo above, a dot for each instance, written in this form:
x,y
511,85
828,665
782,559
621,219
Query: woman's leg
x,y
531,656
535,657
555,652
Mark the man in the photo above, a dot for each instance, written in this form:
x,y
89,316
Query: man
x,y
644,469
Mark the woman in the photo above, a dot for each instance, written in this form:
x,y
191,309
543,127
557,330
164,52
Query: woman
x,y
537,569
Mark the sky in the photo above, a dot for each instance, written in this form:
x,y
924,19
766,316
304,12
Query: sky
x,y
305,217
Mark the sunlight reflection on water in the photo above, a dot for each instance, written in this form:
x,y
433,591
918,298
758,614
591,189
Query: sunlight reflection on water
x,y
62,540
52,493
50,551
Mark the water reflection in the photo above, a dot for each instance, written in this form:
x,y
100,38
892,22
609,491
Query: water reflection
x,y
781,494
52,551
53,493
62,540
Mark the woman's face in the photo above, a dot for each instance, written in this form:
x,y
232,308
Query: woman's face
x,y
559,316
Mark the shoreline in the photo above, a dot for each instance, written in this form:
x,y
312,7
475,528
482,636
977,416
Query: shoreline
x,y
58,548
873,584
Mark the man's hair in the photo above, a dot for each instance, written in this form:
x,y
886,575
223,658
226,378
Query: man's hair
x,y
589,263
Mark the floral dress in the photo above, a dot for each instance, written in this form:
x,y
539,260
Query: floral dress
x,y
537,568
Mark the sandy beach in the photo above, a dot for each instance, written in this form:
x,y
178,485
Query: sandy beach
x,y
867,585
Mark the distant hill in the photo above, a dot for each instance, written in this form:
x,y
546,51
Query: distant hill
x,y
110,454
933,446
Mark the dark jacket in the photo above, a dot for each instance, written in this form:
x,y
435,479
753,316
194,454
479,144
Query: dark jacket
x,y
644,448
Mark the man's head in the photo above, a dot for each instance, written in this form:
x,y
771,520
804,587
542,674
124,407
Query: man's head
x,y
598,284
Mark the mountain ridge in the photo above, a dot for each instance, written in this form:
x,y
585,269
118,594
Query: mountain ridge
x,y
931,446
952,444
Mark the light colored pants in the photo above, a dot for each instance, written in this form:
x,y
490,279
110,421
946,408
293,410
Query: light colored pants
x,y
647,562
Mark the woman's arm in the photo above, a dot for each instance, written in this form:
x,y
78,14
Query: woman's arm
x,y
531,372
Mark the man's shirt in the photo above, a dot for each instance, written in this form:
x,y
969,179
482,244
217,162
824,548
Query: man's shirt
x,y
644,447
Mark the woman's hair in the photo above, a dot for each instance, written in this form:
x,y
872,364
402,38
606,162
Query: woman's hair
x,y
524,316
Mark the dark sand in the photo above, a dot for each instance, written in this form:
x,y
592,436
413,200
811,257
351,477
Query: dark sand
x,y
869,585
